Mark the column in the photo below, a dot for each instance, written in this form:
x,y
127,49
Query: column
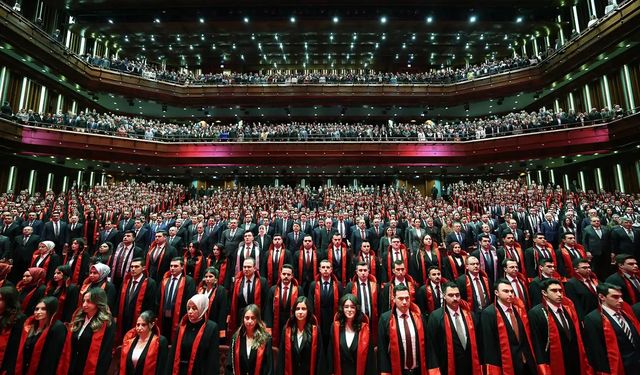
x,y
605,88
552,176
566,182
619,178
43,97
49,181
65,183
583,183
11,183
32,181
92,179
631,103
598,175
23,92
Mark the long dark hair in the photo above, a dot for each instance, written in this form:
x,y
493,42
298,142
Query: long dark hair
x,y
309,321
357,320
12,310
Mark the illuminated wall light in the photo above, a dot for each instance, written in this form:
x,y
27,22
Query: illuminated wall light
x,y
32,181
65,184
336,19
473,19
619,178
556,105
539,176
582,180
572,104
565,179
43,95
535,46
600,185
23,92
11,182
631,103
528,178
552,176
576,20
3,77
59,103
607,94
49,181
74,107
587,97
79,178
561,32
429,19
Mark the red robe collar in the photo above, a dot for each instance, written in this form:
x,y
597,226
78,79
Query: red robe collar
x,y
471,298
257,292
363,349
317,295
389,260
77,266
566,258
142,289
506,367
288,368
314,260
630,289
613,353
372,261
454,266
37,349
476,368
373,287
194,347
91,363
236,357
293,292
151,359
270,275
175,317
343,261
394,343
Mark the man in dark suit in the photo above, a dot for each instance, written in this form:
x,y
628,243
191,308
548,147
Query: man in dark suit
x,y
171,308
474,286
595,239
612,333
359,234
248,225
490,259
305,227
625,239
76,229
457,236
455,330
175,241
122,257
182,230
581,288
248,288
539,250
503,327
550,229
141,236
285,224
231,238
126,223
555,332
5,247
110,234
294,239
518,234
343,227
375,233
33,222
305,264
138,294
546,270
627,278
322,235
25,245
9,228
56,231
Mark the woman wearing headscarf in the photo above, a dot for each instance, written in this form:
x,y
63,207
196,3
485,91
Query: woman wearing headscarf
x,y
78,260
5,269
46,258
98,278
41,341
144,351
11,319
250,351
65,291
195,350
89,342
31,289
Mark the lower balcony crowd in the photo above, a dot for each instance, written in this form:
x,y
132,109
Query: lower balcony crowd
x,y
419,130
486,277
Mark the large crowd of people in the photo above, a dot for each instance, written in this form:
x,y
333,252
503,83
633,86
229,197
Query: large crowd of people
x,y
513,123
483,277
447,75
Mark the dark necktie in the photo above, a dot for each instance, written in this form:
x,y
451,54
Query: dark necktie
x,y
365,298
514,323
625,327
409,343
134,284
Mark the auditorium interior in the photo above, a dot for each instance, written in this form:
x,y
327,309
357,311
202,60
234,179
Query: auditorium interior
x,y
468,105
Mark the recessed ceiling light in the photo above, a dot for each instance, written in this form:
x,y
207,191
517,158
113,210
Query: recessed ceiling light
x,y
473,19
246,20
429,19
519,20
383,19
335,19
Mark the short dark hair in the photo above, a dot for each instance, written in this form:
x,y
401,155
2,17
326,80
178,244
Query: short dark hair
x,y
448,285
542,261
506,261
577,261
506,232
178,259
565,234
501,280
546,283
621,258
400,288
287,266
432,268
603,288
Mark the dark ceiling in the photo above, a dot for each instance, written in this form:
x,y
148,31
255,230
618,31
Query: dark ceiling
x,y
259,35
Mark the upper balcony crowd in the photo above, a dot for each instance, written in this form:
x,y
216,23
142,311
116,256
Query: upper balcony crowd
x,y
446,75
466,129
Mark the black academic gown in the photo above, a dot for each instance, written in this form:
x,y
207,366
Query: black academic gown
x,y
248,363
51,351
596,345
540,336
436,333
301,355
139,369
207,360
80,346
349,356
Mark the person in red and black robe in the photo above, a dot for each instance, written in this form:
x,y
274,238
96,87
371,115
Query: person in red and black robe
x,y
248,288
324,294
138,294
511,249
159,256
431,296
42,340
305,264
194,262
424,258
581,288
396,251
350,350
400,277
173,294
46,258
99,278
367,255
506,340
518,281
280,302
454,263
31,288
474,286
65,291
408,355
217,295
195,350
555,333
11,320
612,334
88,347
78,260
340,259
274,259
300,341
627,278
569,251
218,260
455,328
144,351
251,350
365,287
